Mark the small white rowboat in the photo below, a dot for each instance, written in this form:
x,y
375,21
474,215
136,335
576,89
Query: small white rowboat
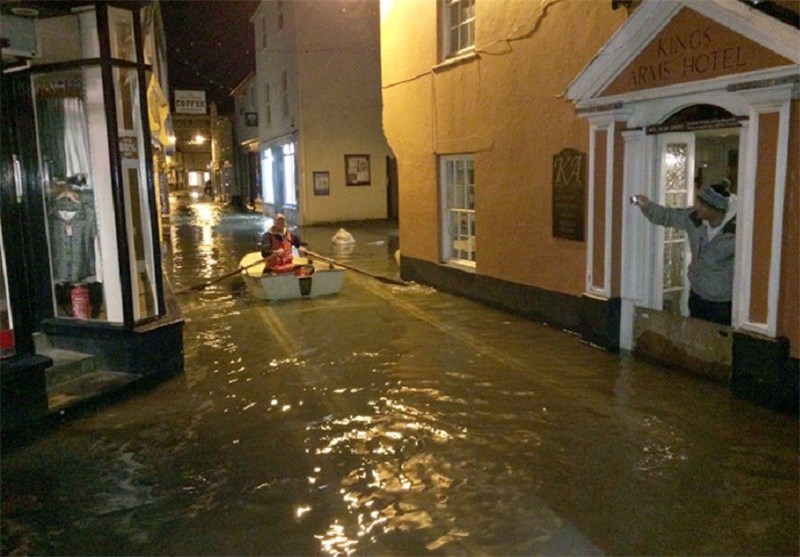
x,y
317,279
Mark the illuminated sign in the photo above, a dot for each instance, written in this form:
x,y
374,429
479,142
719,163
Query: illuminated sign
x,y
190,102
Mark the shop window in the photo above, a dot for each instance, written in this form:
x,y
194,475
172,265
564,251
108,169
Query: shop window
x,y
194,179
458,32
289,182
458,203
76,175
120,27
137,199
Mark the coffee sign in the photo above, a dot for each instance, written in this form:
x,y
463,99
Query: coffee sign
x,y
190,102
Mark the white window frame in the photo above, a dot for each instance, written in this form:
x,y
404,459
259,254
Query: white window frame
x,y
458,16
193,178
451,254
289,180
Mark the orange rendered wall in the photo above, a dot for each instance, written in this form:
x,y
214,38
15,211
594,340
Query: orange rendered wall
x,y
599,247
762,216
505,106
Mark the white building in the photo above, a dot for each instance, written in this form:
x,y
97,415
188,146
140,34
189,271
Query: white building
x,y
245,138
322,152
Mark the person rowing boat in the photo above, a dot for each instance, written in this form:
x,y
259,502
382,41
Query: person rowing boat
x,y
276,247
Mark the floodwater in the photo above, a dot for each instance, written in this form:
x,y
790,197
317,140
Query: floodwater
x,y
390,420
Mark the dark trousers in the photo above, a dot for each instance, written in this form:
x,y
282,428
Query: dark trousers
x,y
716,312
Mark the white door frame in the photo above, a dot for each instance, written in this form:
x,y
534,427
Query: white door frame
x,y
641,158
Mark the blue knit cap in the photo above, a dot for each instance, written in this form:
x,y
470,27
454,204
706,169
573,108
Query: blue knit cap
x,y
712,197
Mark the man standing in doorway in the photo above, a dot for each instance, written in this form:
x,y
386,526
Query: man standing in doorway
x,y
710,226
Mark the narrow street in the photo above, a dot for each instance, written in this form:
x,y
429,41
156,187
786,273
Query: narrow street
x,y
391,420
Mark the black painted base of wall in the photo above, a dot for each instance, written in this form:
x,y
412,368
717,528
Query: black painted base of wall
x,y
155,348
763,372
143,352
23,390
597,321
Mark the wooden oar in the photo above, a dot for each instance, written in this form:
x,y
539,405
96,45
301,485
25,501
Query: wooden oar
x,y
383,279
203,286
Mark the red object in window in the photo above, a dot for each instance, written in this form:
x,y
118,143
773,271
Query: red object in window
x,y
6,339
80,302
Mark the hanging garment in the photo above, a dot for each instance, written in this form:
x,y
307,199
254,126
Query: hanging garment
x,y
72,230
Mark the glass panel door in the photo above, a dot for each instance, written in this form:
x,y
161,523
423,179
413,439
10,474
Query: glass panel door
x,y
677,154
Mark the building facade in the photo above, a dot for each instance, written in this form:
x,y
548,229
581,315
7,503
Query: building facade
x,y
190,165
80,227
245,141
323,156
519,142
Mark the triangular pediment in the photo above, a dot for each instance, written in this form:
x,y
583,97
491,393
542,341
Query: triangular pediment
x,y
672,42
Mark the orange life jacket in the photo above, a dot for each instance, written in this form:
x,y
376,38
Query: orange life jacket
x,y
281,263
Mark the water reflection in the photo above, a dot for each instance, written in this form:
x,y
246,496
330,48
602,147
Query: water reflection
x,y
397,421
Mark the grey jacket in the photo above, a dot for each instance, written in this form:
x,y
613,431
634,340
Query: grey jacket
x,y
711,269
72,241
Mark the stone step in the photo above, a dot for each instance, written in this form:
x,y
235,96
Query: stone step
x,y
67,365
85,387
41,342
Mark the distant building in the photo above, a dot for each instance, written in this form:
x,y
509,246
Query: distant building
x,y
191,163
245,140
323,155
521,130
222,154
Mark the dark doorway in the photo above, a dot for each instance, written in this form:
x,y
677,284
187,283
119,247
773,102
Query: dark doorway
x,y
392,189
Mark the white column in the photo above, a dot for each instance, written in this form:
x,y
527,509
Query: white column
x,y
762,101
634,235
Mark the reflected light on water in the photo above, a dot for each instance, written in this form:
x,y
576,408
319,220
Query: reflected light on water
x,y
381,491
206,217
335,542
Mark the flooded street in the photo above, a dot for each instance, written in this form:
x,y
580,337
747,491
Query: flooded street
x,y
391,420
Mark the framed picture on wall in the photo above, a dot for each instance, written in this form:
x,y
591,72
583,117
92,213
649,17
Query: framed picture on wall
x,y
322,183
356,170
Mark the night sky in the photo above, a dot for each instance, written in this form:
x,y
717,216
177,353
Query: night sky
x,y
209,46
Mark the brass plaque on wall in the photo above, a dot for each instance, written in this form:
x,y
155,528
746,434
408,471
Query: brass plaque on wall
x,y
569,190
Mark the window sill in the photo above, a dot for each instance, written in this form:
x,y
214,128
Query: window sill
x,y
460,265
455,61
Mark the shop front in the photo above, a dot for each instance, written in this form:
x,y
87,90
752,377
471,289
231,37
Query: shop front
x,y
685,95
80,210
